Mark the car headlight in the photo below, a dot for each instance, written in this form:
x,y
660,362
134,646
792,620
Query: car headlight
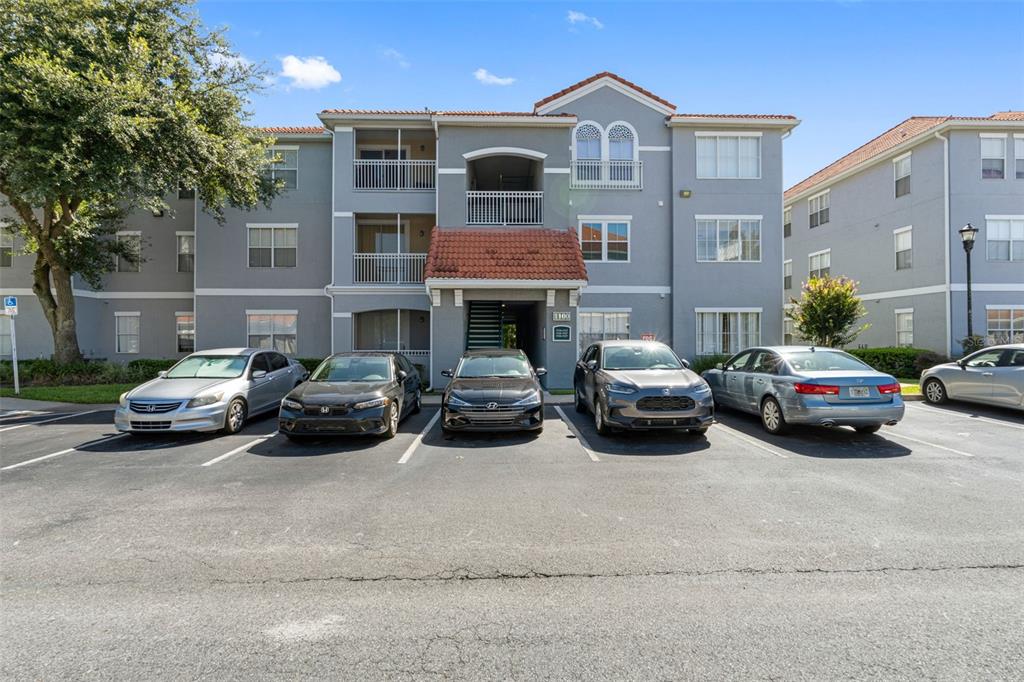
x,y
455,401
123,400
621,388
367,404
702,388
532,399
203,400
291,404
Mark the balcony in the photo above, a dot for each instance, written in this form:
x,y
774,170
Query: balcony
x,y
388,268
393,174
504,208
607,175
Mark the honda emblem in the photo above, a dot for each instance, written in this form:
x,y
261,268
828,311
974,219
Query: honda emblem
x,y
666,391
325,409
150,408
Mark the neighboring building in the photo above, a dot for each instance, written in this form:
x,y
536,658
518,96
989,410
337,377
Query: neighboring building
x,y
887,215
601,213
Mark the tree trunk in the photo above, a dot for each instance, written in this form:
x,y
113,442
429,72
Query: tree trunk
x,y
52,286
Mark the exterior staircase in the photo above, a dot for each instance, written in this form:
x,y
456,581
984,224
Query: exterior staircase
x,y
483,328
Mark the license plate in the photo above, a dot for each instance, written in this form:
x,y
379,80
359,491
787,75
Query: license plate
x,y
859,391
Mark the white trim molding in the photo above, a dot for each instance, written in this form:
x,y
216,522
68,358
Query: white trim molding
x,y
441,283
728,309
605,309
271,312
259,292
653,148
727,133
343,315
113,295
343,214
451,171
560,171
337,289
504,151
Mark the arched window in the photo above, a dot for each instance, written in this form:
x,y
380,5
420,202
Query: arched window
x,y
588,142
620,143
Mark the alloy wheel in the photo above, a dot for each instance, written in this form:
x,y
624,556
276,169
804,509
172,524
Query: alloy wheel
x,y
771,415
934,391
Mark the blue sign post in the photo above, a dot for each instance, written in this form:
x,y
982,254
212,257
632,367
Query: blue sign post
x,y
11,310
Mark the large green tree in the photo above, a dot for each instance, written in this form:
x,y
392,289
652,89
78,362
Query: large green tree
x,y
827,312
107,106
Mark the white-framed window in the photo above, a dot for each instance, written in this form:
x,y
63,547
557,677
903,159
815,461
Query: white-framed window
x,y
133,240
273,246
993,156
601,325
186,251
286,169
1018,155
727,330
1005,323
787,274
127,331
901,174
5,336
588,137
724,239
787,221
185,331
788,330
605,238
819,264
905,327
1004,237
818,209
728,155
6,248
276,329
903,242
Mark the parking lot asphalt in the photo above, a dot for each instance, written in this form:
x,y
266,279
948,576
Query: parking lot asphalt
x,y
824,553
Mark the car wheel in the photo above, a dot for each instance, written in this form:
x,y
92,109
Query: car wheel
x,y
771,417
417,406
234,419
698,432
600,425
868,429
577,401
935,392
392,421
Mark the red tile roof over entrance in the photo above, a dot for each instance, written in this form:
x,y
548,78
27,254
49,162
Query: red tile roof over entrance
x,y
499,253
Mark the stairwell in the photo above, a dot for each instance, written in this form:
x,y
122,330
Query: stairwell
x,y
483,326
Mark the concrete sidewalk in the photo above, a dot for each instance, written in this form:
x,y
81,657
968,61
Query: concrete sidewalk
x,y
9,406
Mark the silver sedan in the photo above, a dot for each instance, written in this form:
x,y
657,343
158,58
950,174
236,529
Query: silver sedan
x,y
806,385
210,391
994,376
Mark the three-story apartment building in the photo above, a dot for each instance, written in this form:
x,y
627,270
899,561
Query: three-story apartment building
x,y
888,213
600,213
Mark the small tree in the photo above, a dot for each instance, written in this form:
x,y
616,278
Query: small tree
x,y
107,106
827,312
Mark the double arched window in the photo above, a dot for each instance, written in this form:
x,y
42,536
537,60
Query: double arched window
x,y
606,157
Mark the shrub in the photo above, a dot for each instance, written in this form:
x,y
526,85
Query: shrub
x,y
926,360
705,362
827,312
310,363
899,362
43,372
145,369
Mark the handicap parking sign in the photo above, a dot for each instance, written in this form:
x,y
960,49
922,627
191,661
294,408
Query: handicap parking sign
x,y
10,305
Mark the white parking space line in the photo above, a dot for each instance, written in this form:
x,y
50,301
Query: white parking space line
x,y
240,448
63,452
749,441
47,421
890,434
419,438
579,436
939,412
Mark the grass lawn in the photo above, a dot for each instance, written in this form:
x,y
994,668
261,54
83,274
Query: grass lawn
x,y
909,386
94,394
560,391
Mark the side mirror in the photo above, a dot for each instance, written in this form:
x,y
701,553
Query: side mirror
x,y
258,373
686,363
402,375
962,364
540,371
591,364
162,373
720,366
447,373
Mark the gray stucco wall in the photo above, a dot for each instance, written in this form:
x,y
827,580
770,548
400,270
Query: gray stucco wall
x,y
221,321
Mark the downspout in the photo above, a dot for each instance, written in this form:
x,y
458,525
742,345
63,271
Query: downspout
x,y
437,206
782,216
946,237
327,287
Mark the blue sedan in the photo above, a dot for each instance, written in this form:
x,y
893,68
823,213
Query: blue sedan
x,y
805,385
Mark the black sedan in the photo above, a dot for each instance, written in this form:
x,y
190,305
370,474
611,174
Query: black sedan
x,y
493,390
353,393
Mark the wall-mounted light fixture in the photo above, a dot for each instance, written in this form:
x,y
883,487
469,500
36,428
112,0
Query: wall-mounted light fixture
x,y
685,194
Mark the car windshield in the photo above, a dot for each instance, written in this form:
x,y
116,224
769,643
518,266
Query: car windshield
x,y
641,356
353,369
209,367
481,366
823,361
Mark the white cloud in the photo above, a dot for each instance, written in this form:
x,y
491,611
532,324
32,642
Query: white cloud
x,y
397,57
229,60
575,17
488,78
309,73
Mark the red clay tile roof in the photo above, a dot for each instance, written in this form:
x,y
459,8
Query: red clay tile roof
x,y
500,113
913,126
598,76
505,254
379,112
431,112
781,117
294,130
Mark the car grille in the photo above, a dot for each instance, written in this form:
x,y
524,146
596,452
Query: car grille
x,y
151,426
483,409
334,411
665,403
153,408
666,421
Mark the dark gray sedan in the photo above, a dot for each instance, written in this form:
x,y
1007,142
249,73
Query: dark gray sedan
x,y
994,376
806,385
640,385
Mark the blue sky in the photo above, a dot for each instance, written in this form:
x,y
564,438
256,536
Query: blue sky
x,y
847,69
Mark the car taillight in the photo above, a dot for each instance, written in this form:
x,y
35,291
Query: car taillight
x,y
889,389
816,389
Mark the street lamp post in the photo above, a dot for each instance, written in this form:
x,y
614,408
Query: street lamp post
x,y
967,235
